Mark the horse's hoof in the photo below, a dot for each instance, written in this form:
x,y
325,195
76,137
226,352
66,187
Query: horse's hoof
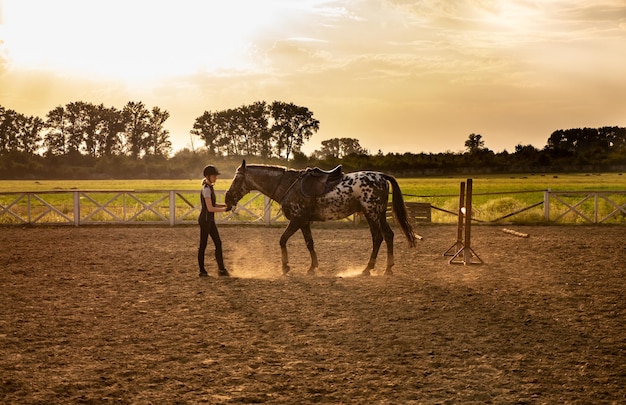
x,y
365,273
388,273
285,270
311,272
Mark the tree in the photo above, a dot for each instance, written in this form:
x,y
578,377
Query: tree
x,y
29,134
204,128
330,148
586,144
252,129
526,151
92,128
214,129
83,127
256,130
292,125
339,148
158,143
7,130
113,125
54,138
76,120
137,120
615,136
474,143
226,140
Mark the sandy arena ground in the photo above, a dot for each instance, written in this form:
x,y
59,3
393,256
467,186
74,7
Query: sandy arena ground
x,y
118,315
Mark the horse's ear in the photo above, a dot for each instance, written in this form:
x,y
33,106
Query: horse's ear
x,y
243,164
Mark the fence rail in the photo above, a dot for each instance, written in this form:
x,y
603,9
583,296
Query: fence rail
x,y
177,207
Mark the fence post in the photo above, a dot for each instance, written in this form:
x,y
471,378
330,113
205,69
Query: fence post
x,y
267,209
28,210
76,208
172,208
546,205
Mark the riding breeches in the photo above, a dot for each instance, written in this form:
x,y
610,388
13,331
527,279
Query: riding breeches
x,y
210,229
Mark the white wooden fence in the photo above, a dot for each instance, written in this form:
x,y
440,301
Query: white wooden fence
x,y
177,207
82,207
577,200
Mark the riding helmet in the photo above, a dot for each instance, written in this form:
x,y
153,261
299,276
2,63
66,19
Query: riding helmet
x,y
210,170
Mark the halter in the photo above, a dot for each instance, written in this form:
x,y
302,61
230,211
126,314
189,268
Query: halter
x,y
242,174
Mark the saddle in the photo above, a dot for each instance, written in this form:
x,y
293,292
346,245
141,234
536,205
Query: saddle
x,y
317,182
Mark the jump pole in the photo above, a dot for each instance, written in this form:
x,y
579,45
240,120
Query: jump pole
x,y
458,245
465,254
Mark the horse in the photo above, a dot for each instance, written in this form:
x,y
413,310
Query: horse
x,y
365,192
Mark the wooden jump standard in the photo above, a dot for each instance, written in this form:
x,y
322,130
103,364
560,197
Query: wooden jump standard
x,y
461,250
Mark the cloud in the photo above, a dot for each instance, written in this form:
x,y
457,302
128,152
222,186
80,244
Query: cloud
x,y
4,57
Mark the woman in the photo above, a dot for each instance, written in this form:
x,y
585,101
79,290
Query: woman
x,y
207,222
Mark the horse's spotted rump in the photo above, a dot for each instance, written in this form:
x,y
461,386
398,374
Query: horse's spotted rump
x,y
365,192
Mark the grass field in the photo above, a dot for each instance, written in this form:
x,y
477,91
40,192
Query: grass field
x,y
428,186
494,196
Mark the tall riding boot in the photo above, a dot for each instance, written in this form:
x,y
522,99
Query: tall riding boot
x,y
219,258
203,272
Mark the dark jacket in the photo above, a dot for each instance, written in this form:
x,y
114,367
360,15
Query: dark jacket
x,y
205,214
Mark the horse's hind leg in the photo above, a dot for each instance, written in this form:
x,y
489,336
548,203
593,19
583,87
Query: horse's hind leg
x,y
308,238
388,234
291,229
377,240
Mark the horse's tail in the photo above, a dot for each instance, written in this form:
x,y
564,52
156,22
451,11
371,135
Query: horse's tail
x,y
399,211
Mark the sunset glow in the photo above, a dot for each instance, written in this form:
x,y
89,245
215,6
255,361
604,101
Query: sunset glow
x,y
399,75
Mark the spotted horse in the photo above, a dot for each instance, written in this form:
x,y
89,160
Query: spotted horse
x,y
363,192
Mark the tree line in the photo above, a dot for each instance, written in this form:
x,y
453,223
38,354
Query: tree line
x,y
83,140
572,150
81,128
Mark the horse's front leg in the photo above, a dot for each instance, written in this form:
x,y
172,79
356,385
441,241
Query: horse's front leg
x,y
308,238
291,229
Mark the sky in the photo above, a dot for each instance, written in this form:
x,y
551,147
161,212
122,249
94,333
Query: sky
x,y
398,75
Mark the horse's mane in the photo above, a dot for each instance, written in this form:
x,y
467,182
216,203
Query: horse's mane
x,y
263,165
271,167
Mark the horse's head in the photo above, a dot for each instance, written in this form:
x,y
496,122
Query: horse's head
x,y
238,187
